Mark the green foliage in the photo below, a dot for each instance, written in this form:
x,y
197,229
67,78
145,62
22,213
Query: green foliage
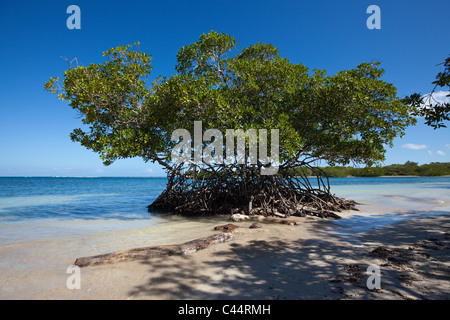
x,y
435,112
434,169
337,172
368,172
340,118
109,98
407,169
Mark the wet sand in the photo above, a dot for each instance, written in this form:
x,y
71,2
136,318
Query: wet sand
x,y
311,260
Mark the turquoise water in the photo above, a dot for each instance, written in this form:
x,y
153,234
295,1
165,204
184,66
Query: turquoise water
x,y
24,199
81,198
112,211
388,200
33,208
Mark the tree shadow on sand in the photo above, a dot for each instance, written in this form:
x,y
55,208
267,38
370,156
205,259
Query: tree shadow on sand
x,y
301,269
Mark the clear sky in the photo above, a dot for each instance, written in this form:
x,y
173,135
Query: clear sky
x,y
332,35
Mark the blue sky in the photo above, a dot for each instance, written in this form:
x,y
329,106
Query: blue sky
x,y
332,35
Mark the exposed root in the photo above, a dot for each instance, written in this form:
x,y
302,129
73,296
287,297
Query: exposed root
x,y
230,190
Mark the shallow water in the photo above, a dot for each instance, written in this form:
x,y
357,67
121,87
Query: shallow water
x,y
384,201
51,208
45,223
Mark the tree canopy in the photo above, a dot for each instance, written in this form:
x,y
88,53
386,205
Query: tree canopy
x,y
347,117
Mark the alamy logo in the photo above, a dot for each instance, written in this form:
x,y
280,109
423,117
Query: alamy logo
x,y
213,152
74,20
374,21
74,280
374,279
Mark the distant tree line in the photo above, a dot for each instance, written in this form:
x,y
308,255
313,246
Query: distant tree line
x,y
409,168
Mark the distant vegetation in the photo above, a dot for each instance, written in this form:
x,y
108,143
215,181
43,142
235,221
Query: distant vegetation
x,y
407,169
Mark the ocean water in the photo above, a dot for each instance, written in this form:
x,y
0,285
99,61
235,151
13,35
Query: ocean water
x,y
23,199
38,208
46,207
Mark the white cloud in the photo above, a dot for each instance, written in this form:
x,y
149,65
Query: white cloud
x,y
437,97
413,146
438,153
447,146
442,96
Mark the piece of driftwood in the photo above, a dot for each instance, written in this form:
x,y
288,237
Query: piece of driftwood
x,y
255,226
156,251
227,227
242,217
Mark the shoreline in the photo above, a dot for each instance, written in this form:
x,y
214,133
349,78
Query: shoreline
x,y
263,265
316,259
274,262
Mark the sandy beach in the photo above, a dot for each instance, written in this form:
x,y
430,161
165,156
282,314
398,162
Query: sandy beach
x,y
273,262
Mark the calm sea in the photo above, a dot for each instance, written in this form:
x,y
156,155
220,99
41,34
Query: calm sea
x,y
46,207
40,198
23,198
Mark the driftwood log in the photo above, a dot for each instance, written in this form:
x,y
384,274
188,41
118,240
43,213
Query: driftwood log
x,y
156,251
227,227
